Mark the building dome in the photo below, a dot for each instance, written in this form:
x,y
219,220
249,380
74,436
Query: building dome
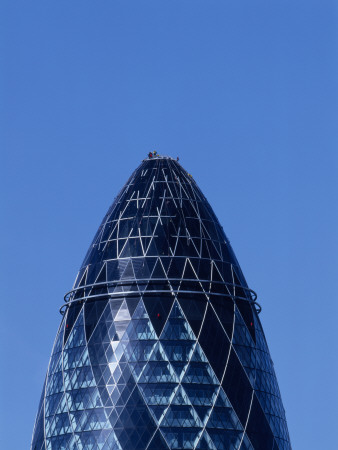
x,y
160,344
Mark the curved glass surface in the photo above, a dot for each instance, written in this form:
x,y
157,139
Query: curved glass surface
x,y
160,345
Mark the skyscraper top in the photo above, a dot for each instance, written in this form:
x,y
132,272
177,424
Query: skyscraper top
x,y
155,155
160,345
159,219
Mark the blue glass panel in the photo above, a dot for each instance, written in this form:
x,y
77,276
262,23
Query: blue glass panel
x,y
181,438
225,441
258,429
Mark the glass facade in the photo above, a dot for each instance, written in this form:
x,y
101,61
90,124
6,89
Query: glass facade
x,y
160,344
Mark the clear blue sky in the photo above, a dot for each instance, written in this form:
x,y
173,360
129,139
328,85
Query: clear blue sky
x,y
246,93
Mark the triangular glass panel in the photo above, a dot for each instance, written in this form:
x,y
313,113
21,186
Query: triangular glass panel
x,y
72,314
110,250
246,444
115,305
181,248
151,250
158,354
188,271
205,443
224,441
132,303
158,394
121,327
216,274
242,335
144,329
205,250
226,272
194,309
112,335
214,250
123,313
180,397
150,262
201,394
166,263
222,400
200,373
76,338
225,309
177,439
158,271
246,311
203,413
214,342
122,263
158,309
224,418
181,416
140,268
157,412
178,351
158,372
92,313
100,335
135,247
197,244
178,367
158,442
177,327
238,282
113,272
62,407
102,277
128,272
204,269
176,268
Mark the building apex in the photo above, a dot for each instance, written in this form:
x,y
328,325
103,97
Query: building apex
x,y
155,155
